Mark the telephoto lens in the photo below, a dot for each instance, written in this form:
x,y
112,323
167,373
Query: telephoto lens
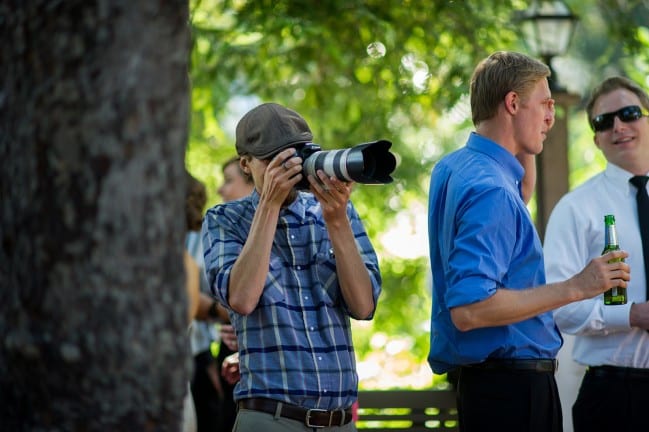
x,y
367,163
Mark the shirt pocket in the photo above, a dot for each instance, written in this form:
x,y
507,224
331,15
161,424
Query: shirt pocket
x,y
326,278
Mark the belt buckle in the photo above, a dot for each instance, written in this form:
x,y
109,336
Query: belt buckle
x,y
307,419
551,366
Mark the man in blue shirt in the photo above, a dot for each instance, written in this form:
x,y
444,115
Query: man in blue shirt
x,y
491,308
292,267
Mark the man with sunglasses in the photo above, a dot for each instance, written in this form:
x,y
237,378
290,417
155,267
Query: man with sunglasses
x,y
612,342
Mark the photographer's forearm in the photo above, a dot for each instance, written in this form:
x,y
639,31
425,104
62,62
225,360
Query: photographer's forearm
x,y
354,279
250,270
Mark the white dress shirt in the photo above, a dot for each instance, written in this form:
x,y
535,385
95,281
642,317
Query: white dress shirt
x,y
574,236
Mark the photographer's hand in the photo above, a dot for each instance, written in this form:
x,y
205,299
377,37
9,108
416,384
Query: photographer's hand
x,y
355,285
332,194
283,172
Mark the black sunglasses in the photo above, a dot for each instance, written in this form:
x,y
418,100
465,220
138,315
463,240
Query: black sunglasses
x,y
627,114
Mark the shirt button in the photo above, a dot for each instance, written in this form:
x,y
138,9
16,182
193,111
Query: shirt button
x,y
311,328
319,358
306,297
292,237
299,267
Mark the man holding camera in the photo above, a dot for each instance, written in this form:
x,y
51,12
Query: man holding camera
x,y
291,267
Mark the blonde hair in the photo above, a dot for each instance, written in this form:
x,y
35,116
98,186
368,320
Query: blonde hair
x,y
499,74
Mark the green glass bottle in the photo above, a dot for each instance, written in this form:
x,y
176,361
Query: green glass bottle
x,y
616,295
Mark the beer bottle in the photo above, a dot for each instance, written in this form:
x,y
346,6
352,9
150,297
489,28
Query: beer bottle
x,y
616,295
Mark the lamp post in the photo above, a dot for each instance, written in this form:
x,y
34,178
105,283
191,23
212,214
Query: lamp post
x,y
548,27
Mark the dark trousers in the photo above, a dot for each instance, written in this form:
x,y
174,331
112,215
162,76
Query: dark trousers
x,y
508,401
612,399
207,401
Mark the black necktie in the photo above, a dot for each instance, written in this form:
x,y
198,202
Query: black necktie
x,y
643,217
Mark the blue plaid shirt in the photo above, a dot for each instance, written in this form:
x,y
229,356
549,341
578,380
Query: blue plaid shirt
x,y
296,346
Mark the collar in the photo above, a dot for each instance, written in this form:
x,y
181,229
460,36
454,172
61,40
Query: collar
x,y
498,153
620,177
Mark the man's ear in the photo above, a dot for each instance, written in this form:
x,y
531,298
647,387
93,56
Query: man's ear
x,y
244,162
512,102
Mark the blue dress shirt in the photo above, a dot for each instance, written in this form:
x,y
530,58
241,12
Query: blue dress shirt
x,y
481,238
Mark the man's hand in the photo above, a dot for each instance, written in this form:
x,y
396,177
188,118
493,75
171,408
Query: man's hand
x,y
332,194
602,274
639,316
230,368
229,337
283,172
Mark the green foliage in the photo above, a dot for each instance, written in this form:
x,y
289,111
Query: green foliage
x,y
585,158
403,310
318,59
398,70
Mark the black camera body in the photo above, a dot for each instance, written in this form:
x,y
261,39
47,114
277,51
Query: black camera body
x,y
306,150
367,163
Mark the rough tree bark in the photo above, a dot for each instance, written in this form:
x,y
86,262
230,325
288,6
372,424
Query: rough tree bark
x,y
93,127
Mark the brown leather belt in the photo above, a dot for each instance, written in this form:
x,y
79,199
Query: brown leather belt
x,y
315,418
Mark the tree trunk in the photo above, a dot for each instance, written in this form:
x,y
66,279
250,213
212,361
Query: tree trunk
x,y
93,128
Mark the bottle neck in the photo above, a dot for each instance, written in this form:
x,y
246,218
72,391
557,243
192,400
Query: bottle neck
x,y
610,238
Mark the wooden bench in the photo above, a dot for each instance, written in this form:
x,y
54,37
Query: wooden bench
x,y
407,410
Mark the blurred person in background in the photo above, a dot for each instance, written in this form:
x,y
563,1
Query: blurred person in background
x,y
206,387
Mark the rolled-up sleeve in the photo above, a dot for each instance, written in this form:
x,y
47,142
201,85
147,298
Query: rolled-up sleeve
x,y
222,244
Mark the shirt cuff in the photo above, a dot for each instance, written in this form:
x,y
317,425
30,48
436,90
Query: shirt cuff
x,y
617,317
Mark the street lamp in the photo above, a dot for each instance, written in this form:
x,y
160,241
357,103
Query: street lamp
x,y
548,27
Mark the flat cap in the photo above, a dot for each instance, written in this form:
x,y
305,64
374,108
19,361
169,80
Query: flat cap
x,y
269,128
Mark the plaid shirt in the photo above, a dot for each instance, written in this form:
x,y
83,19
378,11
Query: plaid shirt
x,y
296,346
